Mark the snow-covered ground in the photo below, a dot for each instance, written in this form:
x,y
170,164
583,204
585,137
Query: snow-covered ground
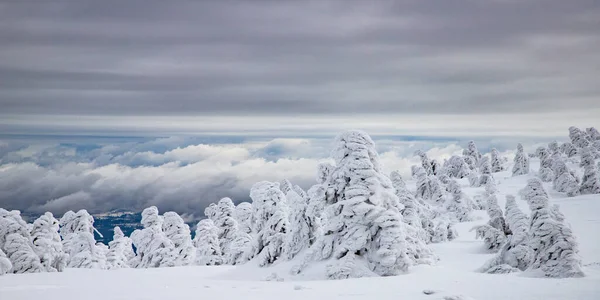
x,y
453,276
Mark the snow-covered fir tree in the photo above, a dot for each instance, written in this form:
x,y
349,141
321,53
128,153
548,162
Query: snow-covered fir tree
x,y
364,234
497,163
521,162
485,168
568,149
271,221
593,133
456,167
47,244
21,255
298,237
206,241
495,231
589,183
18,248
77,231
425,162
458,205
85,253
428,187
153,248
179,233
5,265
472,152
228,227
120,250
243,216
555,249
516,254
545,171
565,179
579,138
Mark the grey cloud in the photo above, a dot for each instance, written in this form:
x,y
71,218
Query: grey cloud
x,y
293,57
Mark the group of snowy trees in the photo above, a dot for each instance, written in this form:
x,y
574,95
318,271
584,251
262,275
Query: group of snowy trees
x,y
541,243
357,219
558,163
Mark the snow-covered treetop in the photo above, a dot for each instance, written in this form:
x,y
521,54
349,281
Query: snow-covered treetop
x,y
118,233
150,217
286,186
533,189
225,207
265,196
80,221
353,144
553,147
579,138
519,147
593,133
11,222
323,172
211,211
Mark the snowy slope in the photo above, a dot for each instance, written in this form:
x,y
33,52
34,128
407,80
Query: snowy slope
x,y
453,276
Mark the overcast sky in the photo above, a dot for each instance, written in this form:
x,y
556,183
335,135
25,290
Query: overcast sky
x,y
179,103
180,66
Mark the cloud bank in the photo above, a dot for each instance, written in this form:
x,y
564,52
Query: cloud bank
x,y
176,173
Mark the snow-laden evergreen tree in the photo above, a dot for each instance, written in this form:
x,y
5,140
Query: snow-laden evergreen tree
x,y
241,249
515,254
227,226
318,195
86,253
485,168
18,248
565,179
243,216
497,163
120,250
593,133
298,237
5,265
271,221
579,138
363,234
495,231
428,187
533,188
553,148
77,231
153,248
415,214
206,241
458,205
425,162
179,233
416,217
285,186
47,244
521,162
555,249
589,183
568,149
211,212
545,172
456,167
472,152
21,255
